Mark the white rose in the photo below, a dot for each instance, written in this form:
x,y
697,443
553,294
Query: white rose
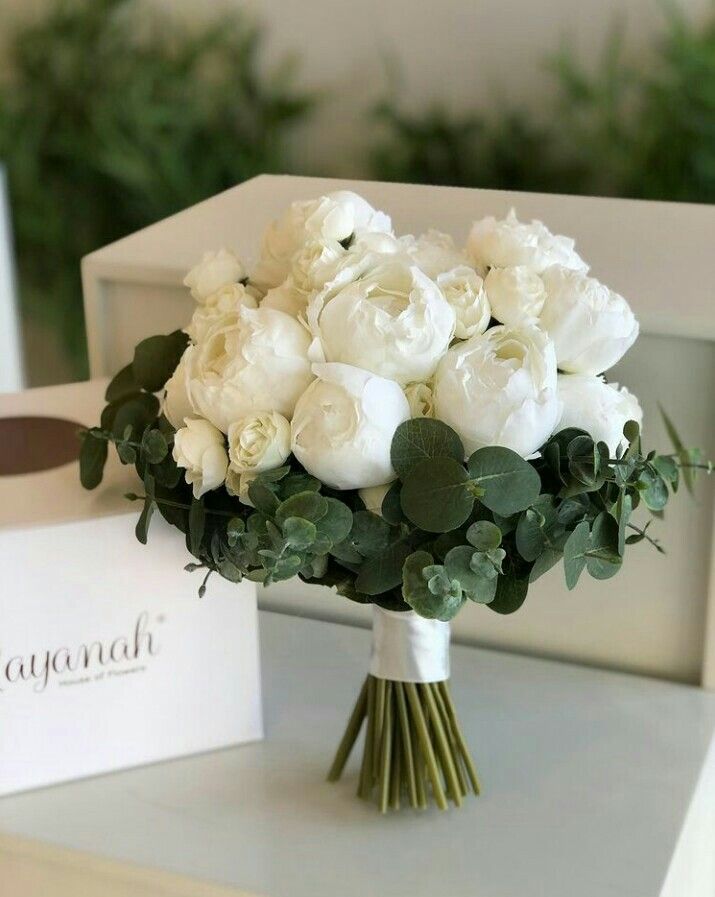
x,y
501,243
499,388
237,485
199,447
252,360
591,326
419,398
258,442
373,496
343,426
516,295
599,408
394,322
463,288
335,217
177,406
215,270
225,300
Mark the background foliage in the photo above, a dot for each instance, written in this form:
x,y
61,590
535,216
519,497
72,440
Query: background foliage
x,y
112,119
616,131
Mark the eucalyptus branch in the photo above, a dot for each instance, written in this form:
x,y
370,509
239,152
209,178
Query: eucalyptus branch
x,y
642,532
169,503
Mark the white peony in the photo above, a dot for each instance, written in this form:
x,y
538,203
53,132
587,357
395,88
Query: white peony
x,y
599,408
228,298
215,270
463,288
177,406
591,326
373,496
335,217
258,442
252,360
516,295
499,388
199,448
314,263
286,297
433,252
394,322
420,399
343,426
501,243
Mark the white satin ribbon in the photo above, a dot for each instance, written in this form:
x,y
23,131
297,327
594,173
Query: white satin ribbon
x,y
408,648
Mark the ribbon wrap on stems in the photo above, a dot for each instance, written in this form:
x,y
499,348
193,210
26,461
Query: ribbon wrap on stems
x,y
408,648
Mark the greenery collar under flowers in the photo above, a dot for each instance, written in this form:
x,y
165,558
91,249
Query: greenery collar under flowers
x,y
450,531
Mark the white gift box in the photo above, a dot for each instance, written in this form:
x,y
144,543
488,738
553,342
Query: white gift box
x,y
108,658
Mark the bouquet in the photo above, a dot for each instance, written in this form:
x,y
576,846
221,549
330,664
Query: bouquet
x,y
416,425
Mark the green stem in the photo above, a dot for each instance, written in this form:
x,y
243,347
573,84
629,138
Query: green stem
x,y
406,742
450,773
351,733
459,735
425,745
385,750
366,774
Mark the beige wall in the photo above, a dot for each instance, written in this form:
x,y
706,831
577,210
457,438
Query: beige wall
x,y
473,54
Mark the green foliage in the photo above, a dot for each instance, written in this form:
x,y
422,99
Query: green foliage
x,y
112,116
624,130
451,531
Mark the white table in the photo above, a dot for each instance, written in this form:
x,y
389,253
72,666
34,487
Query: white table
x,y
588,776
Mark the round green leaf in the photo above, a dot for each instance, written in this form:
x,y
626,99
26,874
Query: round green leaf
x,y
510,595
308,505
370,534
336,523
509,483
435,496
299,533
382,572
484,535
417,594
156,358
420,439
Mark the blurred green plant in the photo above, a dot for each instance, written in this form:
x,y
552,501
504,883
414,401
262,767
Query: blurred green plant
x,y
113,117
618,131
648,134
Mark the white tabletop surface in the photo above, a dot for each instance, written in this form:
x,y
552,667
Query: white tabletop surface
x,y
587,775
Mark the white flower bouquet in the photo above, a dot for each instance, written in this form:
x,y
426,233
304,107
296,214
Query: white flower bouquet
x,y
415,425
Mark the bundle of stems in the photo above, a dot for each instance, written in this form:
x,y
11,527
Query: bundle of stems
x,y
413,746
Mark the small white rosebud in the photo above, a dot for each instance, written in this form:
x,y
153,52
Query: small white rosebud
x,y
199,448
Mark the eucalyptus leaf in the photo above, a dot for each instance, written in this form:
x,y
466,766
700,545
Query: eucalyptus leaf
x,y
370,534
509,483
510,594
142,527
156,358
123,384
336,523
602,557
299,533
575,550
383,571
92,458
309,505
417,594
421,439
484,535
435,496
